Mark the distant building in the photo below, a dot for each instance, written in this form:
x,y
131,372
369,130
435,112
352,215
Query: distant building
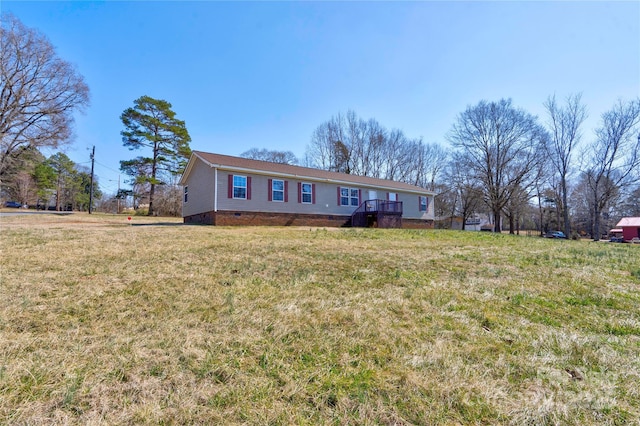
x,y
615,232
630,228
477,221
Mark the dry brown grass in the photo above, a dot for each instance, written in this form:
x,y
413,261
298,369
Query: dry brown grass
x,y
106,323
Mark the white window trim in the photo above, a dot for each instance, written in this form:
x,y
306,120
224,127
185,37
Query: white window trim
x,y
273,190
233,181
349,196
302,193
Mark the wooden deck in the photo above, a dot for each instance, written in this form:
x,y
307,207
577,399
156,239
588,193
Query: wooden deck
x,y
378,214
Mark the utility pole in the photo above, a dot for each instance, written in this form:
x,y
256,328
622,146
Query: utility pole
x,y
119,195
93,155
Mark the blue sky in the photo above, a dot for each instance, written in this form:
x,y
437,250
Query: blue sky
x,y
266,74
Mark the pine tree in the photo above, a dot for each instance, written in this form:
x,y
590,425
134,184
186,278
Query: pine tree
x,y
152,124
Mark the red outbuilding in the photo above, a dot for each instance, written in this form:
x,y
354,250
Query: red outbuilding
x,y
630,227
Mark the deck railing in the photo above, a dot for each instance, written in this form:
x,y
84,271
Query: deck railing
x,y
371,212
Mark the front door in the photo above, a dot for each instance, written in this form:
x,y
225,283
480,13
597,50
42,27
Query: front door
x,y
373,195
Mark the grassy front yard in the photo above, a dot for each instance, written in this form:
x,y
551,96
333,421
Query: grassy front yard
x,y
102,322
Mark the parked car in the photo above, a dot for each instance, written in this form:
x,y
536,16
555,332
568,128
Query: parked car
x,y
555,234
616,240
13,204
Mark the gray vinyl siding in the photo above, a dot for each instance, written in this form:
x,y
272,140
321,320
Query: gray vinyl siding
x,y
201,190
326,197
411,206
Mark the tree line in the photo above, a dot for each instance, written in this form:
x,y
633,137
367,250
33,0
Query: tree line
x,y
504,163
500,160
39,94
503,159
53,183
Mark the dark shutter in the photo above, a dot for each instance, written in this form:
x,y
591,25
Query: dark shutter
x,y
286,191
313,193
270,190
338,195
230,190
248,187
299,192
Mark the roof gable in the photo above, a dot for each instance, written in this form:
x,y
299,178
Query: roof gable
x,y
227,162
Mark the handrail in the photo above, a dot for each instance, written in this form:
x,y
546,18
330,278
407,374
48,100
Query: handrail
x,y
384,206
361,216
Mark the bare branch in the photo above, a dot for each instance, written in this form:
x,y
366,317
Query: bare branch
x,y
613,160
281,157
39,92
499,145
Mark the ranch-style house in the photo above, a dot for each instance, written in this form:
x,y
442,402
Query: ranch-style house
x,y
225,190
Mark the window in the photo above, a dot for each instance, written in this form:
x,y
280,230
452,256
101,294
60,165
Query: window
x,y
186,194
424,203
349,196
277,190
240,187
355,197
306,193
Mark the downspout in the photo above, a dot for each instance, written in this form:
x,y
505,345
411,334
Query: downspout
x,y
215,189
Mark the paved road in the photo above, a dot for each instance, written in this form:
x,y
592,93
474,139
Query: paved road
x,y
20,212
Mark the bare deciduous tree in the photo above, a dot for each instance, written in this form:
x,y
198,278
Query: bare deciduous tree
x,y
445,205
468,193
612,162
631,203
25,187
564,129
326,150
168,200
281,157
399,153
499,145
39,92
427,162
514,209
352,145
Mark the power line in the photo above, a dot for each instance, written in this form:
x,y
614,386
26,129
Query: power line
x,y
107,167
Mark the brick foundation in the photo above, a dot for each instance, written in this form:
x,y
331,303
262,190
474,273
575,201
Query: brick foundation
x,y
231,218
207,218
